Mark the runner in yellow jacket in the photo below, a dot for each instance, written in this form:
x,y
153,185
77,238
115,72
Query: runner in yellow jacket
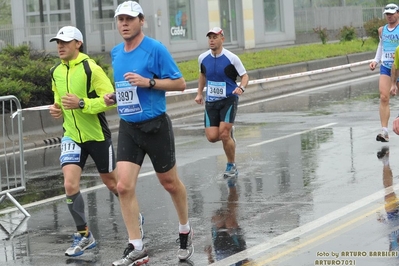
x,y
79,85
85,122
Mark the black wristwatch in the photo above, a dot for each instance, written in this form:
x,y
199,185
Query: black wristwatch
x,y
152,82
81,103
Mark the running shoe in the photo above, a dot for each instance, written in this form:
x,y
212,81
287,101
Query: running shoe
x,y
231,170
383,152
383,136
231,174
132,257
186,249
80,244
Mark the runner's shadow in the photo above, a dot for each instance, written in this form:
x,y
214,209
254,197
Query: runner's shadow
x,y
91,260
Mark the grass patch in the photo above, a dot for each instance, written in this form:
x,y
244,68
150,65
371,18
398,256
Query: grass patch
x,y
367,96
287,55
319,113
360,98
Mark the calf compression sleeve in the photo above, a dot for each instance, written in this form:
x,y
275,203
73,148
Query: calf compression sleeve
x,y
76,207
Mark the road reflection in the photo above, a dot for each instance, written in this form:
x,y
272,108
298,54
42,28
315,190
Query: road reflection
x,y
295,168
391,217
227,236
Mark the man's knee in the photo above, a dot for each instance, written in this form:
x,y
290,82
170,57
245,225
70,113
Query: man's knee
x,y
384,98
124,188
110,181
170,181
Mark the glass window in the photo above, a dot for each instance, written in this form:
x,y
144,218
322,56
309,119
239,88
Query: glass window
x,y
55,13
273,20
104,8
105,14
102,16
180,20
55,18
33,5
35,26
34,19
228,20
95,3
59,5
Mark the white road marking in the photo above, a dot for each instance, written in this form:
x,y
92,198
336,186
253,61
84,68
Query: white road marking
x,y
291,135
279,239
342,83
306,228
40,202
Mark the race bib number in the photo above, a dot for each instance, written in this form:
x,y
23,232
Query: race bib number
x,y
389,56
127,98
70,151
216,90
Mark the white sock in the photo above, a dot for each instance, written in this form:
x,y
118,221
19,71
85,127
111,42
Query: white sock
x,y
184,228
385,129
137,243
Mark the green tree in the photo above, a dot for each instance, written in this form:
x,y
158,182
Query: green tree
x,y
371,28
25,73
5,12
383,2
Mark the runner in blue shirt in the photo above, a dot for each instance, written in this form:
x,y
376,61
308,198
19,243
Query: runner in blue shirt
x,y
389,40
143,71
219,69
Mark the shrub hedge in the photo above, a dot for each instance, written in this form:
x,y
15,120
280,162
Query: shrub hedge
x,y
25,73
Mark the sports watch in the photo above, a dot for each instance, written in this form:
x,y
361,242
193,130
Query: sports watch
x,y
152,82
81,103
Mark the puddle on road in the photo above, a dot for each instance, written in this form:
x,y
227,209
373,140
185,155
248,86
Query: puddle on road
x,y
51,185
316,101
47,187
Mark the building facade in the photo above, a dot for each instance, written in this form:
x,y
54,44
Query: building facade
x,y
181,25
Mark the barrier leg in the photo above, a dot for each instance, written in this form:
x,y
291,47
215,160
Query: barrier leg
x,y
2,198
16,203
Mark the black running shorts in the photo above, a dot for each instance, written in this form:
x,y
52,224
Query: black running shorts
x,y
220,111
102,153
153,137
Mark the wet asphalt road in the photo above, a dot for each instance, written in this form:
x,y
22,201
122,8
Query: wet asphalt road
x,y
310,186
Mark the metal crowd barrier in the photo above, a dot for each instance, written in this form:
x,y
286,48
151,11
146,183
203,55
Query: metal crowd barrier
x,y
12,163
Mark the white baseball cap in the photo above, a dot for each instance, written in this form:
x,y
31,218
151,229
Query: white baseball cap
x,y
391,9
67,34
215,30
130,8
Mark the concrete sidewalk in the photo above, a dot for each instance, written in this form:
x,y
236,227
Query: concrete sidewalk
x,y
40,129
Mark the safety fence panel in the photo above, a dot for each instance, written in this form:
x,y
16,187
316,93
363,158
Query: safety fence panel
x,y
12,163
334,18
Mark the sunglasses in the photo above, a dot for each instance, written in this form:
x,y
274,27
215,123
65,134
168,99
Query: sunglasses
x,y
390,7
